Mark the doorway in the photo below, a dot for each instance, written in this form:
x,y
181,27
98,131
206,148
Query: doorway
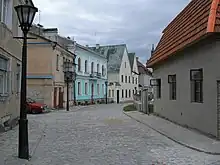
x,y
92,93
60,98
55,98
118,94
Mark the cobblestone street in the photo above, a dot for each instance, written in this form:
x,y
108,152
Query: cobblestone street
x,y
98,135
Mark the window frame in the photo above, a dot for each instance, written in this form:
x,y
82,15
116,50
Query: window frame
x,y
79,64
79,88
122,78
4,73
196,85
86,66
172,86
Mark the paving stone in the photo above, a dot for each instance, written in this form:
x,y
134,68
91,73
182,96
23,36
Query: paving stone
x,y
101,135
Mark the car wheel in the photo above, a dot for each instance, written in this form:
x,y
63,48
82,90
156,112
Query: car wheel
x,y
33,111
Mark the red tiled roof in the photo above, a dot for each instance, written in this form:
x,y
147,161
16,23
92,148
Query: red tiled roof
x,y
198,18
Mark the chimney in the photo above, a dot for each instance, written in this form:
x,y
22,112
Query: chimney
x,y
97,46
51,33
152,50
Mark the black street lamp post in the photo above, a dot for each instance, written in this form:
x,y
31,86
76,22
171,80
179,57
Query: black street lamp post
x,y
106,90
69,75
26,14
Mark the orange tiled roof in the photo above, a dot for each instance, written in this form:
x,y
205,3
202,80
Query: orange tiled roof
x,y
197,19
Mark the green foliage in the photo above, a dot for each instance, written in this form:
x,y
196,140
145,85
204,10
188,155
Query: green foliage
x,y
130,107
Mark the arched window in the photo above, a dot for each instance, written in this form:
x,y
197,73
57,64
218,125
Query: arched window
x,y
79,64
86,63
97,68
92,67
103,70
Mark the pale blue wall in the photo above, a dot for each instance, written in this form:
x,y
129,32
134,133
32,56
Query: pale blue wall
x,y
83,77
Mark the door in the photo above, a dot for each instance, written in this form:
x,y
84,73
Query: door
x,y
218,109
55,98
118,97
92,93
60,105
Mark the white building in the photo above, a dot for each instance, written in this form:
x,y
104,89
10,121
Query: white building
x,y
122,81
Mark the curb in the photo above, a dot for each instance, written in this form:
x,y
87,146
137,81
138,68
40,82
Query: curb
x,y
173,139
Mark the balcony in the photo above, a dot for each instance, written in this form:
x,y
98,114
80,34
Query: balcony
x,y
8,43
95,75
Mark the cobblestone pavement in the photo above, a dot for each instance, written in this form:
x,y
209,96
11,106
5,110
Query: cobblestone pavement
x,y
100,135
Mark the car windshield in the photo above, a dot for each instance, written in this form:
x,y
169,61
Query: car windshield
x,y
29,100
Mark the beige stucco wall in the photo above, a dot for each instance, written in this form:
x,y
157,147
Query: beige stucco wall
x,y
202,116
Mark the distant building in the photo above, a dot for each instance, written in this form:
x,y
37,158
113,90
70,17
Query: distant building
x,y
186,68
91,75
122,82
45,75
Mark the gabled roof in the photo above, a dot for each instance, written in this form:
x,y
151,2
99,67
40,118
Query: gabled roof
x,y
114,55
142,69
131,57
197,20
90,50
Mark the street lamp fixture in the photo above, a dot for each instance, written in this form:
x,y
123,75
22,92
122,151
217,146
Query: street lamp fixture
x,y
69,76
106,90
26,14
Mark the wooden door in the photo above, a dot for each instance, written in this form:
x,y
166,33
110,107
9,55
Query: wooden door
x,y
55,98
60,98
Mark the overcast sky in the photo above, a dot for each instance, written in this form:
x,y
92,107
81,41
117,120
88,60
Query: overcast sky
x,y
138,23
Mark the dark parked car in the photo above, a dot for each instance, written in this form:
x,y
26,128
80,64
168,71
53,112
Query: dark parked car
x,y
35,107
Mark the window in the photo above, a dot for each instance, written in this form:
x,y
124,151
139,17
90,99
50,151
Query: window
x,y
126,93
133,80
86,88
113,93
4,9
172,85
79,88
129,79
103,70
196,78
109,93
158,90
125,64
122,78
4,77
125,79
122,93
98,89
79,64
136,82
57,63
86,63
92,67
129,93
64,62
97,68
18,77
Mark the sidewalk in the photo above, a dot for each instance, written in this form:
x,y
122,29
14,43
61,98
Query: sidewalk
x,y
178,134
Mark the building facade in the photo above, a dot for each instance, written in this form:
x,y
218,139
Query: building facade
x,y
122,83
10,62
91,75
46,82
187,81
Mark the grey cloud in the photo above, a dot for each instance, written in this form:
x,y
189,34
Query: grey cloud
x,y
137,23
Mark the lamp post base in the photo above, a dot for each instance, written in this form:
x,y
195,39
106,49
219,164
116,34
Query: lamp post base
x,y
23,148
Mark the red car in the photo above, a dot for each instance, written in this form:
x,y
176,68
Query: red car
x,y
35,107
